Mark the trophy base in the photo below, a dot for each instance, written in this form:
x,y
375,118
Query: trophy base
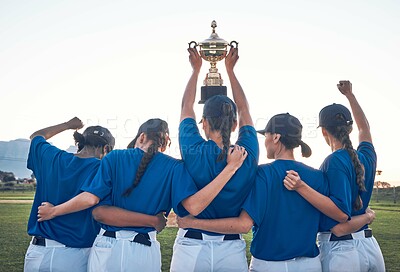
x,y
208,91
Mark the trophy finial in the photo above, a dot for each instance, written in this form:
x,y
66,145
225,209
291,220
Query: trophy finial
x,y
213,25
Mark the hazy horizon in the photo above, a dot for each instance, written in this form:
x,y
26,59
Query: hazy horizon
x,y
118,64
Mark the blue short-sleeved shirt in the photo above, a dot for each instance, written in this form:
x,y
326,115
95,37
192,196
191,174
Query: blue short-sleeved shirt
x,y
200,158
285,224
164,184
59,177
341,175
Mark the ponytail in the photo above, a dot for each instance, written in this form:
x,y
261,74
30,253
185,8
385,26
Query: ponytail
x,y
147,157
342,134
223,124
156,131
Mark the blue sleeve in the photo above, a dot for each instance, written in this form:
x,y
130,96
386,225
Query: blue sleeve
x,y
369,159
101,185
189,138
340,189
183,187
248,139
255,204
37,148
368,150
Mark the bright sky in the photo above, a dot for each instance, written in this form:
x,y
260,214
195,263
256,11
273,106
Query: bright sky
x,y
119,63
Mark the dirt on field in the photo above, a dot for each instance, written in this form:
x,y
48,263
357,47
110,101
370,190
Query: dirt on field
x,y
13,201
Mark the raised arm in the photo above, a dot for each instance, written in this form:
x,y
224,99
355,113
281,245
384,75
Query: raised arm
x,y
356,223
80,202
238,94
74,123
196,203
232,225
115,216
364,132
323,203
187,110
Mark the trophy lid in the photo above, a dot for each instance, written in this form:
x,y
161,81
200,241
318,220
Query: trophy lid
x,y
214,39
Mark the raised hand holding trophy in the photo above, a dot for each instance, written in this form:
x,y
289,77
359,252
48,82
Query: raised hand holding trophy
x,y
212,50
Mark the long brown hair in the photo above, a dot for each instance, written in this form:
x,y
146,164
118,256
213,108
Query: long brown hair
x,y
342,134
223,124
156,130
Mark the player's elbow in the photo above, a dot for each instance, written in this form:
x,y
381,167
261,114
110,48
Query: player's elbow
x,y
91,200
342,218
98,213
246,226
338,230
192,207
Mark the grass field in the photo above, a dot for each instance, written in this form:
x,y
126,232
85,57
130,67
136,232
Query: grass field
x,y
14,216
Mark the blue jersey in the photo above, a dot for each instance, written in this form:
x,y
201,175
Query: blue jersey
x,y
343,189
59,176
285,224
200,157
164,184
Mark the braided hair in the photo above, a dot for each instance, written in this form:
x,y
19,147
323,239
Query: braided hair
x,y
223,124
156,130
342,133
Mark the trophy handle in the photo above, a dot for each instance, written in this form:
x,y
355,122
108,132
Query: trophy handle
x,y
193,42
234,42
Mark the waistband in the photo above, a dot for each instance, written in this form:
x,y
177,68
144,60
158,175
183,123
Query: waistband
x,y
202,236
133,236
40,241
328,236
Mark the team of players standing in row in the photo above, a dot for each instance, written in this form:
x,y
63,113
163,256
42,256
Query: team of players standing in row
x,y
218,191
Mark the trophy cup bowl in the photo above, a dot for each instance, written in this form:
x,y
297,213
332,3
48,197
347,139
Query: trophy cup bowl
x,y
213,49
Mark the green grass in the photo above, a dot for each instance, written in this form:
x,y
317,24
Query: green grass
x,y
16,195
13,236
15,241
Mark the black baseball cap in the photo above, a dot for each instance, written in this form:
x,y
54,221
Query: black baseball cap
x,y
100,132
151,125
213,107
334,115
287,126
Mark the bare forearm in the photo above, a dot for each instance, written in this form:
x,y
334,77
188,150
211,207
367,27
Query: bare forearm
x,y
118,217
50,131
323,203
189,96
353,225
80,202
196,203
232,225
360,119
225,226
240,100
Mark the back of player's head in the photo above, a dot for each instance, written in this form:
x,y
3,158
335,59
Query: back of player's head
x,y
156,131
215,106
337,121
290,129
95,136
335,115
220,112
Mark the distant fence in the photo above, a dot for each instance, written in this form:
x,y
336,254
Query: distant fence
x,y
16,187
390,194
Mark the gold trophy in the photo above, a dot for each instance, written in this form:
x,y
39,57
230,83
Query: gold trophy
x,y
212,50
